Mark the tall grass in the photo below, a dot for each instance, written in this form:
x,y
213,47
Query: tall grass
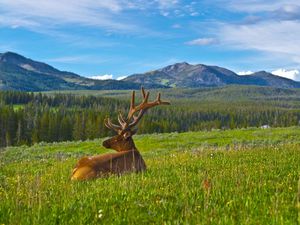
x,y
220,177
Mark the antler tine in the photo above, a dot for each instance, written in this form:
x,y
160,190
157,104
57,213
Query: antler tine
x,y
121,120
158,97
110,125
160,101
143,92
136,119
144,106
141,108
132,103
145,100
132,107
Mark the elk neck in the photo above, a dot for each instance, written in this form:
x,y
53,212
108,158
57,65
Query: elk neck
x,y
129,145
119,144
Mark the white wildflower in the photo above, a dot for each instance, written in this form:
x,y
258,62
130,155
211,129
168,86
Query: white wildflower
x,y
100,213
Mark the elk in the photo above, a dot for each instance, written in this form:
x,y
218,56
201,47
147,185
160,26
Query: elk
x,y
128,158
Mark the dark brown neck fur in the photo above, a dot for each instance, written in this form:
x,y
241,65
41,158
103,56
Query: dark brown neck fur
x,y
120,144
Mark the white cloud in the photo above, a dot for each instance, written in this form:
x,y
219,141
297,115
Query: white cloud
x,y
194,14
176,8
253,6
202,41
110,15
165,4
280,39
291,74
121,77
102,77
244,72
36,14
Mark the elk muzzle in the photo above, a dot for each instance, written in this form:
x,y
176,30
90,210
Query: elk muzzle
x,y
106,143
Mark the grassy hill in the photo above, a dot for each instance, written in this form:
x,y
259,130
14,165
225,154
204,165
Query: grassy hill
x,y
247,176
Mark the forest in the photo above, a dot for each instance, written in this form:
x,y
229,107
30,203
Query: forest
x,y
28,118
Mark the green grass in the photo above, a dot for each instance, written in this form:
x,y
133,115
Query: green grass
x,y
221,177
18,106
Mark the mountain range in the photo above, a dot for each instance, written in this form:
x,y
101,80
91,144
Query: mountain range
x,y
20,73
185,75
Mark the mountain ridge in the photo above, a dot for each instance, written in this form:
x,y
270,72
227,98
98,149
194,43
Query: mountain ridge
x,y
20,73
186,75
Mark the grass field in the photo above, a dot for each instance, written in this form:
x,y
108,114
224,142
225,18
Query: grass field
x,y
246,176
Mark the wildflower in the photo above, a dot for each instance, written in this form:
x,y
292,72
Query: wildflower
x,y
100,213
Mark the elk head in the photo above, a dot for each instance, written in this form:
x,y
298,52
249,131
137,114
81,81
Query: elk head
x,y
126,128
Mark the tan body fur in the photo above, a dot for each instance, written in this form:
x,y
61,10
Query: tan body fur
x,y
107,164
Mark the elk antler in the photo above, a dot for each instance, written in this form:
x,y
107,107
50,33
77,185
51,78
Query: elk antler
x,y
141,109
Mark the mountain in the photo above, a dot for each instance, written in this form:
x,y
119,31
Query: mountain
x,y
20,73
185,75
264,78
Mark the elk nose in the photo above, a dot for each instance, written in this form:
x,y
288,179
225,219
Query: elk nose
x,y
106,144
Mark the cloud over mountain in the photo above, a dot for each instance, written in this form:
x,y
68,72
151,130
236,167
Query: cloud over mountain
x,y
291,74
102,77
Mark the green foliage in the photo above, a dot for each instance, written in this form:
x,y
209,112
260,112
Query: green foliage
x,y
246,176
27,118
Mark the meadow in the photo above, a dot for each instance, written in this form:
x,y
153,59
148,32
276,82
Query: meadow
x,y
242,176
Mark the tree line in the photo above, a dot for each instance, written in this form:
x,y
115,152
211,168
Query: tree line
x,y
27,118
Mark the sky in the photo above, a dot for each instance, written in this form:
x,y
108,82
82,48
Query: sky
x,y
116,38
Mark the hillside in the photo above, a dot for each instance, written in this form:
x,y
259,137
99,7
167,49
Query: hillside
x,y
230,93
268,79
220,177
20,73
184,75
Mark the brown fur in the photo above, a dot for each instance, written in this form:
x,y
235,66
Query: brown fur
x,y
127,159
107,164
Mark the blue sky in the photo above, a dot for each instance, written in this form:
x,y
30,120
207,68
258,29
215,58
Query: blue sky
x,y
122,37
